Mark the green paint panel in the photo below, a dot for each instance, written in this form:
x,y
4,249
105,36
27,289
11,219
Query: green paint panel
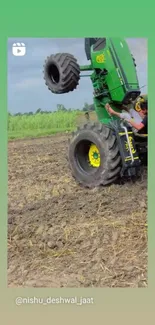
x,y
114,76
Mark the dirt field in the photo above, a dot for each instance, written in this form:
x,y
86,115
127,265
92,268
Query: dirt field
x,y
62,235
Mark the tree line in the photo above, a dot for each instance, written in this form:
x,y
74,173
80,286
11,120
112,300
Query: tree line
x,y
60,108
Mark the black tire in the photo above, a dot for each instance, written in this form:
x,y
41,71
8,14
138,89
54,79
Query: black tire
x,y
110,160
61,73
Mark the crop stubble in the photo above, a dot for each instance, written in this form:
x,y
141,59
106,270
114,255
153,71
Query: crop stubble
x,y
62,235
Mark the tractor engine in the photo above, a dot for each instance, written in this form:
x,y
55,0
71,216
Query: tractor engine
x,y
115,67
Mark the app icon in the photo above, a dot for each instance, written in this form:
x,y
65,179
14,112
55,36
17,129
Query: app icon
x,y
18,49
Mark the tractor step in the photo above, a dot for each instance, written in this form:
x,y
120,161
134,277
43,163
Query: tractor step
x,y
130,158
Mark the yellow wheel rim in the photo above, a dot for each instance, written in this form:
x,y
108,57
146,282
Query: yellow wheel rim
x,y
94,156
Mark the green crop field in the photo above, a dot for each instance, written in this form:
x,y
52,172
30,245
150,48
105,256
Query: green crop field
x,y
22,126
43,124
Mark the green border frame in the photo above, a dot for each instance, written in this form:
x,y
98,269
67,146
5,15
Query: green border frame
x,y
122,306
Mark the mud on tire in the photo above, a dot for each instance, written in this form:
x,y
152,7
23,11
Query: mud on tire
x,y
110,160
61,73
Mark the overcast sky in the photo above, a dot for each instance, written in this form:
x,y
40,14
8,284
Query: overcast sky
x,y
26,88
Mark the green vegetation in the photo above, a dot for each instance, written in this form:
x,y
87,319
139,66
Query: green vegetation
x,y
40,124
43,123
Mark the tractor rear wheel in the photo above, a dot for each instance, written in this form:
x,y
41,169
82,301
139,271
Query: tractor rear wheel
x,y
94,156
61,73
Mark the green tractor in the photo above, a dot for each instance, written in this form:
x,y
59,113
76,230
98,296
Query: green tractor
x,y
101,152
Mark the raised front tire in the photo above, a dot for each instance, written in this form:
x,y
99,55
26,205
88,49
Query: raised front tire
x,y
94,156
61,73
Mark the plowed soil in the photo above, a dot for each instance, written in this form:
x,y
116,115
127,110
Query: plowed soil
x,y
63,235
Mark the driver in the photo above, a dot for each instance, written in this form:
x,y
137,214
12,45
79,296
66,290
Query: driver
x,y
140,127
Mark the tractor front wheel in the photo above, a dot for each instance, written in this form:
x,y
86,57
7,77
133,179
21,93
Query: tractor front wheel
x,y
94,156
61,73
